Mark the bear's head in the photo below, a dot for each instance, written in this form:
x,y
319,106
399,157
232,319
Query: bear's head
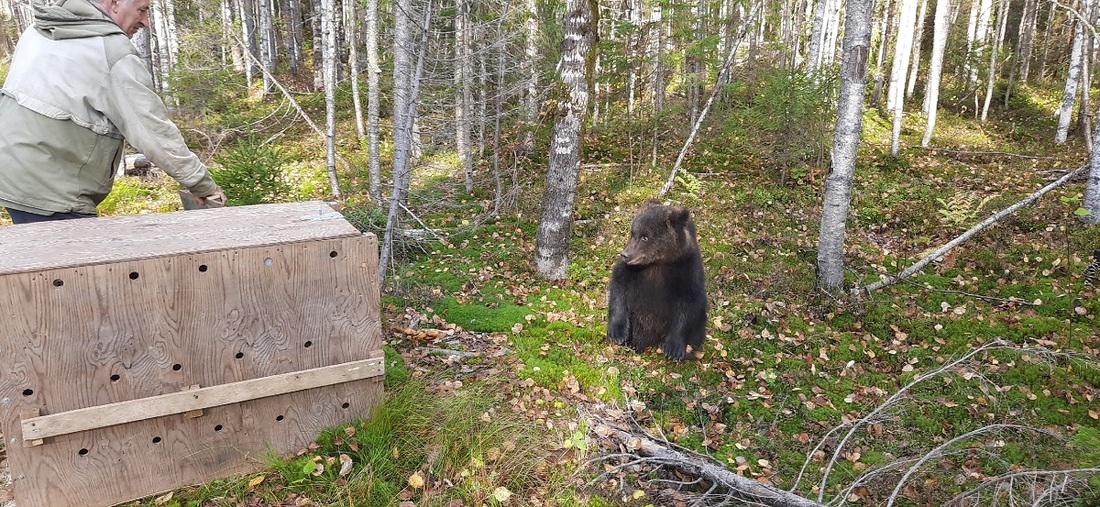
x,y
660,234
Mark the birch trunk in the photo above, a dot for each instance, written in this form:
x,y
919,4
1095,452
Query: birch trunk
x,y
915,58
935,69
895,94
373,93
530,98
463,100
1046,40
817,35
555,223
328,51
248,36
849,125
994,68
231,52
1069,94
883,43
1092,182
352,23
1027,38
292,10
267,42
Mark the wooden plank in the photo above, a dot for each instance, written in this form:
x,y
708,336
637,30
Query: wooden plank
x,y
73,421
71,243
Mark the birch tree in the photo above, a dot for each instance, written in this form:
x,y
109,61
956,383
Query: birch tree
x,y
295,38
1069,94
849,124
351,10
463,94
914,60
268,52
817,34
373,93
935,69
1027,38
328,51
530,98
1091,203
994,50
574,68
895,100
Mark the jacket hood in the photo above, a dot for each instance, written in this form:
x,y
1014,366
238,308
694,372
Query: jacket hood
x,y
73,19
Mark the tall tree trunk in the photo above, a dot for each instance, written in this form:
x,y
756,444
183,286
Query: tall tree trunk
x,y
849,124
896,94
267,43
328,51
295,38
935,69
463,95
817,34
231,51
407,70
657,70
883,44
828,50
1092,183
498,110
373,92
315,21
556,221
353,66
530,68
1027,39
914,60
1069,94
247,10
1051,10
994,69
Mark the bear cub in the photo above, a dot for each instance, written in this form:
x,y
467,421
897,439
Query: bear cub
x,y
657,292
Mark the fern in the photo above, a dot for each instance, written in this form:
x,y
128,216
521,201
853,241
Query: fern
x,y
961,209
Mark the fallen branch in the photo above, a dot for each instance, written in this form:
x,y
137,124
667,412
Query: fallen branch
x,y
1079,475
742,488
941,251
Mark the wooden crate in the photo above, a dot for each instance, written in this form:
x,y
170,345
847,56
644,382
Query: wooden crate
x,y
139,354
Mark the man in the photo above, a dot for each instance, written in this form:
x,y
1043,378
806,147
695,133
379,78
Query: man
x,y
77,89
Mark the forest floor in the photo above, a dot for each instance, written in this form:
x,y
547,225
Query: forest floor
x,y
498,381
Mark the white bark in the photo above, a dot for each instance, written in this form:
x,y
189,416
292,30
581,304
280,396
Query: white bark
x,y
935,69
352,10
1069,94
530,98
994,68
1092,183
817,34
849,125
556,219
463,96
328,54
914,60
267,42
902,49
1027,37
373,93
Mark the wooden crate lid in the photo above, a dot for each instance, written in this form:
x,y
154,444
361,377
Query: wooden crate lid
x,y
70,243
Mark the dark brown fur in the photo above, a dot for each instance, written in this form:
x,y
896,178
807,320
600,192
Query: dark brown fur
x,y
657,292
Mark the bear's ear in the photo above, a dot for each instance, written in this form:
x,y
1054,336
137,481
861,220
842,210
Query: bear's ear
x,y
680,216
649,203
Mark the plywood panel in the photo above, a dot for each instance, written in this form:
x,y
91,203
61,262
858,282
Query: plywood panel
x,y
143,319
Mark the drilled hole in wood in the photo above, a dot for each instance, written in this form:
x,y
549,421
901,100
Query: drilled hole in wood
x,y
115,377
239,355
156,440
279,418
202,268
177,367
134,275
82,452
28,392
308,344
345,405
218,428
58,282
333,254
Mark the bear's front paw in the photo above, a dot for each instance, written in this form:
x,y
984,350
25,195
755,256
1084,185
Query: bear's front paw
x,y
674,351
617,338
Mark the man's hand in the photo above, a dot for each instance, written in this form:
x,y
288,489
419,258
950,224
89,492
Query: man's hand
x,y
215,199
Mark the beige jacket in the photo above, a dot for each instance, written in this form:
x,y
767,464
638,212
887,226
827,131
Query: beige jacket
x,y
76,89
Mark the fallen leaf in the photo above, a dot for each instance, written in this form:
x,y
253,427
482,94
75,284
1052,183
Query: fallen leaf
x,y
345,464
164,499
255,481
416,480
502,494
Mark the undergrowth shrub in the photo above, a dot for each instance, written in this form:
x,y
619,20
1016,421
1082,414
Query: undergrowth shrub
x,y
251,172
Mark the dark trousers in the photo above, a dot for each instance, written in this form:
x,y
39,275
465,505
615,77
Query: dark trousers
x,y
22,217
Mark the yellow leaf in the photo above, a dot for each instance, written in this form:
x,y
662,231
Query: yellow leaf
x,y
416,480
1094,414
255,481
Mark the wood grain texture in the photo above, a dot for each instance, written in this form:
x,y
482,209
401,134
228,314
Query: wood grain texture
x,y
70,243
126,320
190,400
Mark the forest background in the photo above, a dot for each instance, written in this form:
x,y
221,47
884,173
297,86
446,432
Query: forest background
x,y
498,149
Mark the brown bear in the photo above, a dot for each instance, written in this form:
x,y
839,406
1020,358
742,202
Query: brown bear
x,y
657,292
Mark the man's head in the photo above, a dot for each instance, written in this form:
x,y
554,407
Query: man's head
x,y
129,15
